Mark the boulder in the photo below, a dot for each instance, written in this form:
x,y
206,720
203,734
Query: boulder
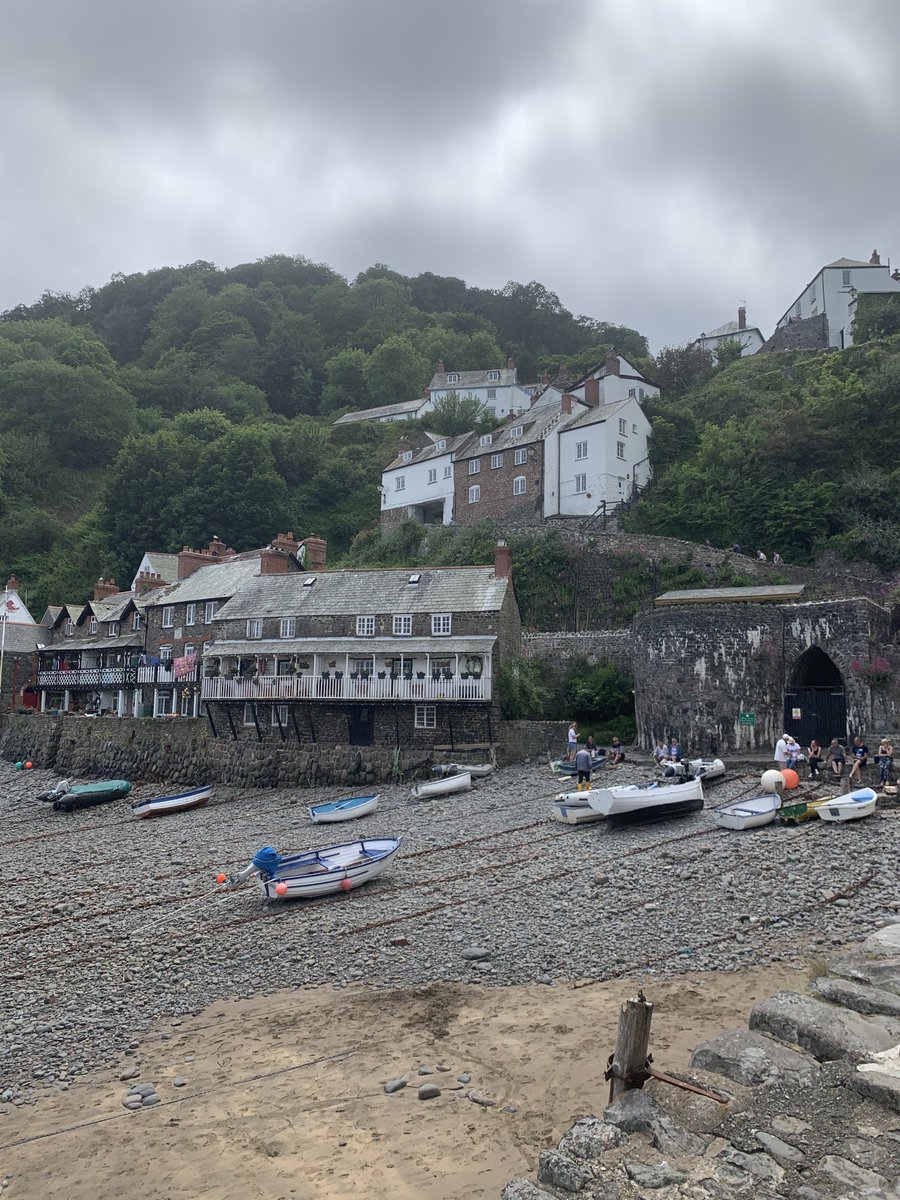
x,y
859,997
828,1033
589,1137
524,1189
562,1172
883,943
635,1112
751,1059
882,973
652,1175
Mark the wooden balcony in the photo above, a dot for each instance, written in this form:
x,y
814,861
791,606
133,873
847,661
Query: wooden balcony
x,y
371,688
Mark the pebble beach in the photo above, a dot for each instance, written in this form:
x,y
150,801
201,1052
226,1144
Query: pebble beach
x,y
117,936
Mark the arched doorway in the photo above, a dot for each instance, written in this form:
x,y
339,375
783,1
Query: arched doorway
x,y
815,702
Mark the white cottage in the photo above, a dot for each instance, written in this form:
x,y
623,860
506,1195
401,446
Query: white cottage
x,y
832,292
749,337
600,458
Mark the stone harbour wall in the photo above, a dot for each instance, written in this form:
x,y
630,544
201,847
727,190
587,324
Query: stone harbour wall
x,y
595,645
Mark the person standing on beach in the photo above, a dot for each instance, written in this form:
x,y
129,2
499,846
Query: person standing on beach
x,y
583,767
781,752
572,741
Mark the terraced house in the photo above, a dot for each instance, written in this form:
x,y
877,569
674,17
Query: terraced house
x,y
364,657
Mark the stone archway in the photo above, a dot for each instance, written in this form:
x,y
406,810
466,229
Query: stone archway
x,y
815,701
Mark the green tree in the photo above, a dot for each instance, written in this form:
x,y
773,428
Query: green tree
x,y
345,382
395,371
454,414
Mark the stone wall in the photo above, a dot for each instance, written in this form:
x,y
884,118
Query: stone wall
x,y
594,645
532,739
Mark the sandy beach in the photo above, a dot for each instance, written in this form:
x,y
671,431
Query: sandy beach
x,y
285,1092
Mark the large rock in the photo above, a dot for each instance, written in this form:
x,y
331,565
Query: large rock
x,y
652,1175
635,1112
882,973
859,997
849,1174
883,943
828,1033
589,1137
524,1189
759,1167
560,1171
751,1059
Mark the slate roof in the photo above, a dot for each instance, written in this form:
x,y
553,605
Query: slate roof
x,y
788,591
165,565
534,424
431,451
112,607
600,372
22,638
356,593
438,647
596,416
729,329
214,581
439,383
98,642
844,263
386,410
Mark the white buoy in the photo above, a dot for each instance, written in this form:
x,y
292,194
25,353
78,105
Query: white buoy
x,y
771,780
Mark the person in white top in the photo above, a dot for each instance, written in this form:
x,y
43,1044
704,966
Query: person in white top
x,y
782,754
572,741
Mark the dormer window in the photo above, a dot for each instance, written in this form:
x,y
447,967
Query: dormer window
x,y
485,439
113,630
441,445
135,621
70,628
493,376
93,625
517,431
452,377
406,456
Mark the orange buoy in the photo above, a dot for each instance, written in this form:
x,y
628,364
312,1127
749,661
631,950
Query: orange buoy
x,y
220,878
281,888
791,778
346,885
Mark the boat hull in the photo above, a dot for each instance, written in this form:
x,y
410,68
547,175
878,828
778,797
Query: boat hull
x,y
656,812
854,807
86,795
628,803
477,771
574,814
442,787
343,810
161,806
331,869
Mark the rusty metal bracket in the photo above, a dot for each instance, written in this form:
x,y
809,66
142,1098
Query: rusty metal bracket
x,y
637,1079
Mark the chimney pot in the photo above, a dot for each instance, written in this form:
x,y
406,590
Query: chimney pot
x,y
502,561
875,260
742,317
565,402
510,364
545,378
612,364
562,374
440,366
592,392
316,553
12,584
104,588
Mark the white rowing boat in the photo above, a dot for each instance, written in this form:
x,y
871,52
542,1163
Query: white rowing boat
x,y
858,804
647,802
476,770
695,768
160,806
343,810
443,786
578,799
748,814
318,872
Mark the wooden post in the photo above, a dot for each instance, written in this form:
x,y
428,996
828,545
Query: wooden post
x,y
632,1042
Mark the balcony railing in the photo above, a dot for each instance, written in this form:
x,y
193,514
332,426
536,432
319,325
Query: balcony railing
x,y
108,677
312,687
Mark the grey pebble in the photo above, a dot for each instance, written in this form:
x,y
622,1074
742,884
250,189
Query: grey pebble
x,y
150,1100
394,1085
129,1074
464,1078
475,953
429,1091
179,1082
479,1098
142,1089
425,1071
132,1102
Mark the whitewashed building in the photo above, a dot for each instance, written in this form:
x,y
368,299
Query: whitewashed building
x,y
749,337
832,293
418,485
600,457
615,380
497,388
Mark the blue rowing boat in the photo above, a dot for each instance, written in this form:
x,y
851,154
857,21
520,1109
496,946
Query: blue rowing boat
x,y
343,810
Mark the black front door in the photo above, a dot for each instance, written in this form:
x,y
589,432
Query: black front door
x,y
822,714
362,725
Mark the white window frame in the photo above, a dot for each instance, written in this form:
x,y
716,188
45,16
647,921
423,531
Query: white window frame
x,y
93,625
287,627
425,716
190,614
441,624
581,449
486,439
520,458
400,483
186,704
496,461
254,628
641,393
248,713
492,393
453,377
519,485
282,710
136,621
406,456
164,704
634,428
517,432
493,376
165,652
441,445
210,608
432,474
113,630
580,484
846,279
189,648
402,626
632,393
168,617
623,425
365,625
475,493
620,450
474,466
448,471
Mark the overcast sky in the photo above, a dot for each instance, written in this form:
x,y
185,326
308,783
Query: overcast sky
x,y
653,162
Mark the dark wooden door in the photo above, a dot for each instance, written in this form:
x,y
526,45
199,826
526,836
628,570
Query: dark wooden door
x,y
362,725
823,714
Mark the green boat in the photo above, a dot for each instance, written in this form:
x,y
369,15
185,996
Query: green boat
x,y
86,795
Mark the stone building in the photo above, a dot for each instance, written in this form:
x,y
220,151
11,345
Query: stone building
x,y
20,637
730,669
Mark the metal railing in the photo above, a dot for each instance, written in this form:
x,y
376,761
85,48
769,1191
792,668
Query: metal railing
x,y
312,687
107,677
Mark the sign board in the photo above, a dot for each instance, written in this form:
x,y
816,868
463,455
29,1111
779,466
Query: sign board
x,y
747,718
795,714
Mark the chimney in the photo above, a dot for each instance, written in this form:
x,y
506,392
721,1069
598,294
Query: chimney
x,y
104,588
502,561
12,584
742,317
545,378
286,543
218,549
147,581
612,364
440,366
565,402
562,375
592,392
426,392
875,260
316,550
273,562
189,560
510,364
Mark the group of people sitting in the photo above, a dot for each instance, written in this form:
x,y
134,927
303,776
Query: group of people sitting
x,y
585,759
668,753
789,753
